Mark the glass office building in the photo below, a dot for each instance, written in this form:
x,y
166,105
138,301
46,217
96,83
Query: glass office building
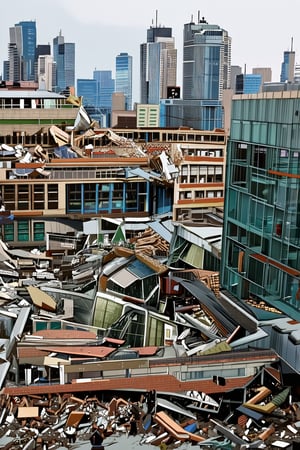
x,y
64,57
89,91
106,88
206,73
261,237
206,61
124,77
158,65
22,50
248,83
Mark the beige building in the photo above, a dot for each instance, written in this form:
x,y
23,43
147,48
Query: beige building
x,y
265,72
147,116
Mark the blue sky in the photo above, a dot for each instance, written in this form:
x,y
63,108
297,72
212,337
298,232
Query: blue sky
x,y
260,29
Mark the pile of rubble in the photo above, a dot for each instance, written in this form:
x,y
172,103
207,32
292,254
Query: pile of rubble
x,y
55,421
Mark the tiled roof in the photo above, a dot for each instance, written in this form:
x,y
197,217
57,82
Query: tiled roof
x,y
166,383
274,372
145,351
65,334
94,351
31,352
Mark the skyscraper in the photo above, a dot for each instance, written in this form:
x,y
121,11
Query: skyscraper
x,y
21,51
206,61
288,66
64,57
158,64
124,77
106,87
206,73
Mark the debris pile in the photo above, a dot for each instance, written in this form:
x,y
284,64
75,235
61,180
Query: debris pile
x,y
53,421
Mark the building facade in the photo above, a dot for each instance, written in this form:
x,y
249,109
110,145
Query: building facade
x,y
158,64
201,156
124,78
261,241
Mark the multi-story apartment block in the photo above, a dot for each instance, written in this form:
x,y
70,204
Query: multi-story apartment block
x,y
200,155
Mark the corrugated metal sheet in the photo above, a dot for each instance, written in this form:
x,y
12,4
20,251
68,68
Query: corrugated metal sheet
x,y
123,278
113,265
194,256
140,269
161,230
207,298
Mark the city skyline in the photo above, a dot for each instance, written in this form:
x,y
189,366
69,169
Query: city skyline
x,y
127,27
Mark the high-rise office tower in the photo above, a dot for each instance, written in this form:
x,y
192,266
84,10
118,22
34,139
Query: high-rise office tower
x,y
206,73
64,57
88,89
124,77
106,88
288,66
21,51
158,64
206,61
